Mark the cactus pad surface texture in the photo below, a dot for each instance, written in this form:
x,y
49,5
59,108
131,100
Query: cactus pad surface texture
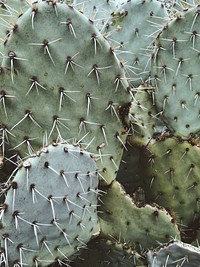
x,y
99,133
65,83
175,254
59,218
175,65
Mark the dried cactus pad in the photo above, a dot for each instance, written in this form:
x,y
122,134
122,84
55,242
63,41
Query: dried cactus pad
x,y
49,211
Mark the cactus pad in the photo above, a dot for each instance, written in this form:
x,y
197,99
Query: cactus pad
x,y
50,208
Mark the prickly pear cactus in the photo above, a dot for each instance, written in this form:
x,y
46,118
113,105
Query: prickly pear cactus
x,y
175,253
144,119
66,84
62,82
131,35
175,76
142,226
50,208
170,169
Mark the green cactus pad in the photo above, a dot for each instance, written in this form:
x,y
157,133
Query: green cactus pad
x,y
175,74
132,35
50,208
170,170
144,119
175,253
65,83
141,227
